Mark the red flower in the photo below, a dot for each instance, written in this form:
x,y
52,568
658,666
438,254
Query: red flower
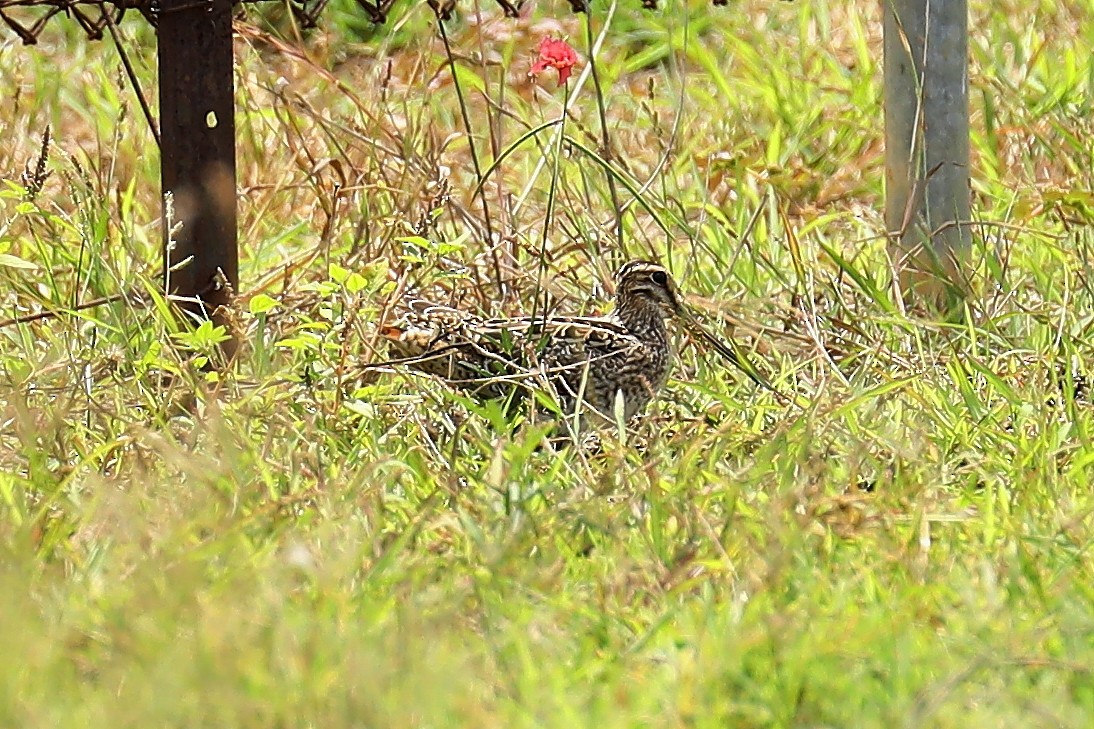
x,y
555,53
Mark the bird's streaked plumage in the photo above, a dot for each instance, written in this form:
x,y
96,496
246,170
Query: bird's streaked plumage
x,y
596,368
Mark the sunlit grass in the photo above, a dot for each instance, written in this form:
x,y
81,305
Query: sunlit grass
x,y
299,541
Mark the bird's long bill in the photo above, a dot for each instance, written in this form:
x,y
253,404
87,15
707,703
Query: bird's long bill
x,y
730,351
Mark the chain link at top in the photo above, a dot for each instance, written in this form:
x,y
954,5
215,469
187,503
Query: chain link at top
x,y
27,18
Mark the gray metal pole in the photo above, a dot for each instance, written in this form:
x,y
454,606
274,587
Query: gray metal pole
x,y
927,143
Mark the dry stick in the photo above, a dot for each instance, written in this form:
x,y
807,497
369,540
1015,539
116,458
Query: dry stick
x,y
551,193
494,120
607,140
103,301
131,74
474,154
28,318
677,121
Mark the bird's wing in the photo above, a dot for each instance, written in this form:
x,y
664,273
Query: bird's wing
x,y
420,326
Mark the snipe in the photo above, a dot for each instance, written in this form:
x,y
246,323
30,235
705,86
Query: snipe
x,y
596,368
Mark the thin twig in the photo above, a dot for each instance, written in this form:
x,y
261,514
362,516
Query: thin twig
x,y
131,73
607,140
28,318
474,154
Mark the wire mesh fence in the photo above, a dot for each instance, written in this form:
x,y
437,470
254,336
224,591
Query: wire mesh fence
x,y
28,18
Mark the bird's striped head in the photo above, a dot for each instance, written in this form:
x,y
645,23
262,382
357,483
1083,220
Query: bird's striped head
x,y
640,282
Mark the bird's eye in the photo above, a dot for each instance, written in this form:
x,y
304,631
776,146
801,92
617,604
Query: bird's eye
x,y
660,278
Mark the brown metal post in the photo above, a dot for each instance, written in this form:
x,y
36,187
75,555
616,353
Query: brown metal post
x,y
198,167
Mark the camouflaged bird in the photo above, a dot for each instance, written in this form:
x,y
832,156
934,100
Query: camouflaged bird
x,y
597,368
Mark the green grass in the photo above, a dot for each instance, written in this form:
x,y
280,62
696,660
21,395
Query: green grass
x,y
300,542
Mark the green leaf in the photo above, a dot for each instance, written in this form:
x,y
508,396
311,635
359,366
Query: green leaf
x,y
337,273
261,303
12,191
9,261
355,283
415,240
358,407
204,338
469,78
